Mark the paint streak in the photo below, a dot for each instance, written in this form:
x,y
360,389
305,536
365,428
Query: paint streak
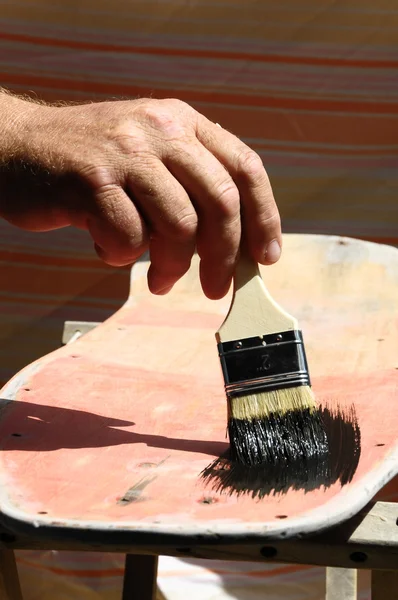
x,y
135,493
339,465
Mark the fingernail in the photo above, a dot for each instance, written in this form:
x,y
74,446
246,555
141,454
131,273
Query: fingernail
x,y
163,291
273,252
159,290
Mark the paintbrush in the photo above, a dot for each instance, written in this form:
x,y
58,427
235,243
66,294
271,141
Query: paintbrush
x,y
273,416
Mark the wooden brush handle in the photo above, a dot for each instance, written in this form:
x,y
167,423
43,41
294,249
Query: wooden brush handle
x,y
253,311
247,273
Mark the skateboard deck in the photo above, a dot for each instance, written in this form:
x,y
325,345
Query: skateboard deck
x,y
121,435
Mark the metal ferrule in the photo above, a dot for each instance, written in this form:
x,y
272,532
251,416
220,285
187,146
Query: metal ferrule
x,y
264,363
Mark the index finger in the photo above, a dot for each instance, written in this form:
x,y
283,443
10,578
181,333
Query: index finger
x,y
261,220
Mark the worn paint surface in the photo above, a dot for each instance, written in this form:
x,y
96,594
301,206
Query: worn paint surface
x,y
116,428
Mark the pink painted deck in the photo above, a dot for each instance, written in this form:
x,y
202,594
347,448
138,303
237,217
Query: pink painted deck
x,y
112,432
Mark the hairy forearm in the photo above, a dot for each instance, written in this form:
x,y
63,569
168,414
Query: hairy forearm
x,y
25,161
18,121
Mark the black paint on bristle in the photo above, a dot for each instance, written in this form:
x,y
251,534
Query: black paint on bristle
x,y
344,437
225,475
298,434
301,472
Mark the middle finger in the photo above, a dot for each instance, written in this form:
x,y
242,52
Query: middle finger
x,y
216,199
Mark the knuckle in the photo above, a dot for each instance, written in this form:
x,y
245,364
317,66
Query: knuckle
x,y
97,176
163,118
184,226
249,164
156,116
176,104
130,142
270,220
141,165
226,200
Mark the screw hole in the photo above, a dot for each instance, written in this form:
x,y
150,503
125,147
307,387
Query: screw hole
x,y
74,356
208,500
27,389
268,552
379,445
16,434
359,557
281,517
42,512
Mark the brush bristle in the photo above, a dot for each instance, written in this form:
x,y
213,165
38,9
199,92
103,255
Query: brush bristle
x,y
276,427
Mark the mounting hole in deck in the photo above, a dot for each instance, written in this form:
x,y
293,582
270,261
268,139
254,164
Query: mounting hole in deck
x,y
281,517
183,550
208,500
268,552
42,512
27,389
379,445
16,434
359,557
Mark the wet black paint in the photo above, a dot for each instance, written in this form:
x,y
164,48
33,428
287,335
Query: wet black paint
x,y
303,472
298,434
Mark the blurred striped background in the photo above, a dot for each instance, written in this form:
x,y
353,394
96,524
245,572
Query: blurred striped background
x,y
311,85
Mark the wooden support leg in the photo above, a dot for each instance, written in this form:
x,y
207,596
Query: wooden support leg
x,y
9,580
384,585
160,595
140,576
341,584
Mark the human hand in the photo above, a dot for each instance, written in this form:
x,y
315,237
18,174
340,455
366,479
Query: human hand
x,y
142,174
